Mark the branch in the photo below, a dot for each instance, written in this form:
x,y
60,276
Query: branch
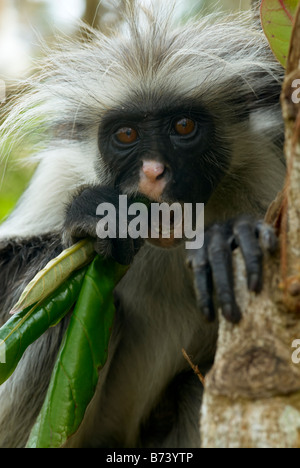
x,y
252,394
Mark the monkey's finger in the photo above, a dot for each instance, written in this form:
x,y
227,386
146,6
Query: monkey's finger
x,y
103,247
267,237
245,235
220,259
204,291
123,251
203,284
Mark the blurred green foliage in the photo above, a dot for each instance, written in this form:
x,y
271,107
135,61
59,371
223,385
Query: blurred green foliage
x,y
15,168
14,179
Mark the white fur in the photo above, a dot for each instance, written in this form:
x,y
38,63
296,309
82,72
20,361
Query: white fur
x,y
42,208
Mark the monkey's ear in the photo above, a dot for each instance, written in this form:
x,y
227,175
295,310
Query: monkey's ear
x,y
266,93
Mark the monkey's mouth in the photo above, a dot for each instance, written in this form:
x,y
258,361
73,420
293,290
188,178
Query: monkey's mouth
x,y
165,233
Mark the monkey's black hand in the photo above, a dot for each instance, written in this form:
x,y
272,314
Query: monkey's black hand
x,y
213,269
82,221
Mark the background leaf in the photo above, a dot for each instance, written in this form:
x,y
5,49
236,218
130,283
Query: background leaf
x,y
83,353
277,18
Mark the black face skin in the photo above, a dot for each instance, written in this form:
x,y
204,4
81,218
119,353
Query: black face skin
x,y
195,163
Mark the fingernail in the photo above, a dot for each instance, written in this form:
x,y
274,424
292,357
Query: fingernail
x,y
269,241
254,283
227,311
209,314
231,313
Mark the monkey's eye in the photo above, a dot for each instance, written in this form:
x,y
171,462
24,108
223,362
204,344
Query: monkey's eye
x,y
184,126
127,135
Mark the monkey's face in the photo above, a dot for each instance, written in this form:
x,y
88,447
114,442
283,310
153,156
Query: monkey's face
x,y
171,155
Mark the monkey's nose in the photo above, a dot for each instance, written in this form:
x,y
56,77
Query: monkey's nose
x,y
153,169
152,179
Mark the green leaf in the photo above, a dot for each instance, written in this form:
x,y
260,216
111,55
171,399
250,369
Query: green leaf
x,y
277,21
27,326
55,273
83,353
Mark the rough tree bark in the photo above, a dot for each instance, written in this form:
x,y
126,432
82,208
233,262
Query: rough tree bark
x,y
252,394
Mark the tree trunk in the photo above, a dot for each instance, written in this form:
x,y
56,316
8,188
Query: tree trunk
x,y
252,394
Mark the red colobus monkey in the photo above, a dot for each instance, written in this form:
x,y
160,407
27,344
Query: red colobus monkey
x,y
186,114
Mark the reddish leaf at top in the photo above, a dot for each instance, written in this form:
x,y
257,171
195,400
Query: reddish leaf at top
x,y
277,18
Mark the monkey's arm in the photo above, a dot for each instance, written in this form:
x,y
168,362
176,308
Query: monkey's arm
x,y
22,395
213,269
212,265
20,260
81,221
